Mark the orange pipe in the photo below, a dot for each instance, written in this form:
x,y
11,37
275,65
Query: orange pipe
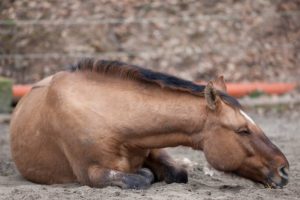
x,y
242,89
234,89
20,90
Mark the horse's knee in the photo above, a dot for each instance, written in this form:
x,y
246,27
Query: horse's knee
x,y
95,176
175,175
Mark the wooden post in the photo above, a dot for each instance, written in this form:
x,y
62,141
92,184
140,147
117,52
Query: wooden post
x,y
5,95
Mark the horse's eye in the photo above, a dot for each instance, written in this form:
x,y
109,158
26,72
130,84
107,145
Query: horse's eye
x,y
243,131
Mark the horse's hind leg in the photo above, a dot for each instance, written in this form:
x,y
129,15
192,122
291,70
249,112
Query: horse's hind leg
x,y
100,177
165,168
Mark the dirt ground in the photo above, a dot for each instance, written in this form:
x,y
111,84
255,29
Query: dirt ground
x,y
282,128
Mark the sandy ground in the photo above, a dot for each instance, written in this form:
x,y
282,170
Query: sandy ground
x,y
283,129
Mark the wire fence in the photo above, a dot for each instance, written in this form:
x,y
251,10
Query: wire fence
x,y
130,20
72,22
125,53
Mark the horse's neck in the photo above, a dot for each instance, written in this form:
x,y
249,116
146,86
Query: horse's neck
x,y
170,119
145,115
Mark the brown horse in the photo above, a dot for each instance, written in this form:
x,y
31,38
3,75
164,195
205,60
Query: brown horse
x,y
105,123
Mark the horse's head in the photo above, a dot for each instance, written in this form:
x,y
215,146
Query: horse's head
x,y
233,142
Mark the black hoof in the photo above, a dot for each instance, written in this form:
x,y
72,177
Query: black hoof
x,y
176,175
147,173
135,182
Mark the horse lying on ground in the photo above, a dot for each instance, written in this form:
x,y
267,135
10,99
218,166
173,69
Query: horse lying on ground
x,y
104,123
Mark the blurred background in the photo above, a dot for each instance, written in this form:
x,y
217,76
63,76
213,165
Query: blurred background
x,y
244,40
247,41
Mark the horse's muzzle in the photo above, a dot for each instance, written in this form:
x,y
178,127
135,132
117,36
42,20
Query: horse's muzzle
x,y
284,174
279,179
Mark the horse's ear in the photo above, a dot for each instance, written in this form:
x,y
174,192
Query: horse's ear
x,y
219,84
211,96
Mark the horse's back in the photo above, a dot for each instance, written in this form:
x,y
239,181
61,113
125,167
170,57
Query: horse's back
x,y
34,150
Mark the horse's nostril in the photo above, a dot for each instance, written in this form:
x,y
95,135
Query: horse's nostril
x,y
283,172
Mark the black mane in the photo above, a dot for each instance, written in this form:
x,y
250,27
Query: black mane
x,y
124,70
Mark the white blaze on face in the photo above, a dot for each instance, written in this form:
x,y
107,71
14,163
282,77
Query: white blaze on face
x,y
247,117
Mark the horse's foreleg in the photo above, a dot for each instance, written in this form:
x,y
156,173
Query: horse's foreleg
x,y
100,177
165,168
